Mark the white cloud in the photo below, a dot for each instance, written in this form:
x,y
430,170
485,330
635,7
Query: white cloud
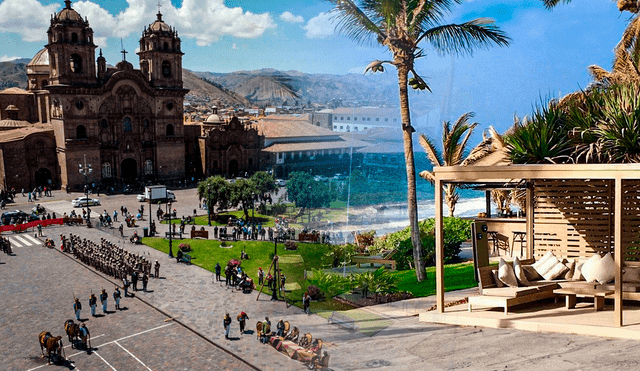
x,y
206,21
6,58
234,46
28,18
321,26
291,18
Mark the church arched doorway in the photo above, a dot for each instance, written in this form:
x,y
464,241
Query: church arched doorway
x,y
129,169
233,168
43,178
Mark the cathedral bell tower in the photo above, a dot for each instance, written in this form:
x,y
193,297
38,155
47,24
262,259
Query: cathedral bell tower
x,y
160,55
71,49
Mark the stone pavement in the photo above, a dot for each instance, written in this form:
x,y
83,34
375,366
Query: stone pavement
x,y
387,336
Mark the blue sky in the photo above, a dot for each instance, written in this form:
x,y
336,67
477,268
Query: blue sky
x,y
548,56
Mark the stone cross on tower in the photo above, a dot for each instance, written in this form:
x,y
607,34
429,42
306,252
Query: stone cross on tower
x,y
124,52
159,6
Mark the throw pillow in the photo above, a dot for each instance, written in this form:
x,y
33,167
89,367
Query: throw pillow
x,y
589,267
605,269
631,274
572,268
494,273
506,274
577,273
520,275
549,267
531,273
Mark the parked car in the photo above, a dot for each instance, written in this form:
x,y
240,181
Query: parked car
x,y
17,215
281,182
84,201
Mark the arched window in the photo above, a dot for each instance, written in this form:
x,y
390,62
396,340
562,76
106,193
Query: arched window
x,y
76,63
106,170
166,46
166,69
126,124
81,132
148,167
170,130
74,37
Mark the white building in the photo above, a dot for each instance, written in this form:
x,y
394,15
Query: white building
x,y
346,120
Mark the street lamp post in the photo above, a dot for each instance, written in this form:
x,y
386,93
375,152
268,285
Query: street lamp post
x,y
209,204
170,230
276,278
86,170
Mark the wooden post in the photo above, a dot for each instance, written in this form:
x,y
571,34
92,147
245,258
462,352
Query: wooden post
x,y
529,212
487,200
439,248
618,252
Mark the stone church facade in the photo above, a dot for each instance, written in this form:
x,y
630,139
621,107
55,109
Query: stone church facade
x,y
127,123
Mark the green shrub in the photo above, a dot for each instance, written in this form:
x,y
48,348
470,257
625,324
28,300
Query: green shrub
x,y
330,284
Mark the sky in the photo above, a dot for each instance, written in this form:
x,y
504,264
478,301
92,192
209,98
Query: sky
x,y
548,55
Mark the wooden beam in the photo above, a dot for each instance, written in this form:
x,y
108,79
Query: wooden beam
x,y
439,248
618,252
487,200
530,220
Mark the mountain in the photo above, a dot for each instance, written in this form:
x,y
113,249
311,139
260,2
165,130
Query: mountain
x,y
200,89
269,86
13,74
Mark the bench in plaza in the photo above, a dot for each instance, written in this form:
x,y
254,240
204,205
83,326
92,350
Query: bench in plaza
x,y
200,234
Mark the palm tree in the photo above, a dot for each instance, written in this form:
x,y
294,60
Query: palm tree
x,y
454,144
401,26
628,5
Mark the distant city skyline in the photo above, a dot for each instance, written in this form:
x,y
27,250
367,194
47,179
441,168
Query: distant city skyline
x,y
548,57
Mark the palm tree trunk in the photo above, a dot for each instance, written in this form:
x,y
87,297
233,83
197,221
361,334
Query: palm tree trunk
x,y
412,201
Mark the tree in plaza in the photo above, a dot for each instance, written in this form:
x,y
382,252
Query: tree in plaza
x,y
215,191
264,184
243,194
401,26
306,192
454,146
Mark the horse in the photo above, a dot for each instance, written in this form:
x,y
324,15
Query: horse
x,y
52,344
73,331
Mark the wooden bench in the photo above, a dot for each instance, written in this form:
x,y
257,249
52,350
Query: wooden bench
x,y
200,234
384,259
571,295
177,235
308,237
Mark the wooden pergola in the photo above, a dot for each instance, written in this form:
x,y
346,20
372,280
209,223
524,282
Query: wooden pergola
x,y
573,210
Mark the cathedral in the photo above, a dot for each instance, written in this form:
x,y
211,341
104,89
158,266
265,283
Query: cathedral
x,y
126,123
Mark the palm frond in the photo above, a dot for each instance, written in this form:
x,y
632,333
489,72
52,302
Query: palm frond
x,y
432,153
426,14
598,72
464,38
429,176
354,23
552,3
497,140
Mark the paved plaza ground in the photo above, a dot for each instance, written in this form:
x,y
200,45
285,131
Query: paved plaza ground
x,y
37,287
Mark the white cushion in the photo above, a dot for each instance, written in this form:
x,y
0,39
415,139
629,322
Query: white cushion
x,y
520,275
572,269
549,267
494,273
601,270
631,274
530,273
506,274
589,267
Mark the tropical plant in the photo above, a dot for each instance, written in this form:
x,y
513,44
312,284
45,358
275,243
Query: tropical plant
x,y
402,26
264,184
623,5
243,194
330,284
543,138
215,191
379,282
454,144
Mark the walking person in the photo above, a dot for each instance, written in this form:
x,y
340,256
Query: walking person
x,y
116,297
260,276
134,280
218,270
84,334
121,229
242,319
40,230
227,326
103,300
145,280
115,216
125,284
77,307
92,304
280,328
157,269
306,301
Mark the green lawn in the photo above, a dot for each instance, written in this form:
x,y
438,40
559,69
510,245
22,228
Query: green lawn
x,y
266,221
206,253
